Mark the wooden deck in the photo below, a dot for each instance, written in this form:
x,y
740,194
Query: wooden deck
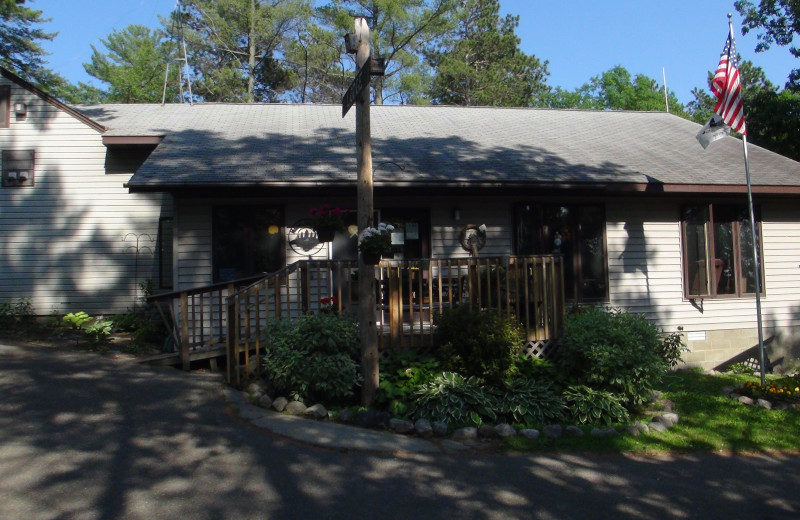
x,y
409,294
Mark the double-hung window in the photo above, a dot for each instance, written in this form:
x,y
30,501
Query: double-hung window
x,y
718,252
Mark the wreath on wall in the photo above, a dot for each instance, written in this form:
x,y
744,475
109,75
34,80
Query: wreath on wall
x,y
473,236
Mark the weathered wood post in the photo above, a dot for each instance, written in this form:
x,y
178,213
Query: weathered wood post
x,y
359,93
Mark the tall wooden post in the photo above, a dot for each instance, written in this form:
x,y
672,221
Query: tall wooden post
x,y
366,273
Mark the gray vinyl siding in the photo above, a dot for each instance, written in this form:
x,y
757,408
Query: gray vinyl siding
x,y
645,272
62,238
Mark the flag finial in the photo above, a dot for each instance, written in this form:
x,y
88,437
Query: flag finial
x,y
730,17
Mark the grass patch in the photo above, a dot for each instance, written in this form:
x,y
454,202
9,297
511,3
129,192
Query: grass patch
x,y
709,422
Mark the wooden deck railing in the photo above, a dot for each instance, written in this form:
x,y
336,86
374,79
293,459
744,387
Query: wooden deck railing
x,y
409,293
197,317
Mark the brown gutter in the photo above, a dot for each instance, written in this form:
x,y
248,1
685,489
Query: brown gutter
x,y
111,140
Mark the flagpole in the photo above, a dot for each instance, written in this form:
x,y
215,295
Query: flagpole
x,y
756,256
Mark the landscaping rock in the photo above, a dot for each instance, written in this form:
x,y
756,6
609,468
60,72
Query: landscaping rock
x,y
530,433
316,411
468,433
745,400
553,431
656,395
265,401
667,419
439,428
254,388
632,430
401,426
295,408
346,416
658,427
780,405
279,404
666,405
573,431
487,432
372,419
642,427
505,430
729,391
423,428
604,432
763,403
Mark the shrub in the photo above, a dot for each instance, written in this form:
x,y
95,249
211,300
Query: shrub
x,y
672,347
588,406
613,350
456,400
315,359
537,369
530,402
16,313
478,342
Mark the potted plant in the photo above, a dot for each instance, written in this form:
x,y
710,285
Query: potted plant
x,y
376,242
326,221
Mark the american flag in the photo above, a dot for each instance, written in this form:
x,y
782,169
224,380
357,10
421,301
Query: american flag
x,y
728,89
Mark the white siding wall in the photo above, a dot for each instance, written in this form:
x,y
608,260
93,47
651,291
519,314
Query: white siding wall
x,y
62,238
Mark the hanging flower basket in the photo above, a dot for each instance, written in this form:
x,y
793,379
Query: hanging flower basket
x,y
376,242
326,233
326,221
371,258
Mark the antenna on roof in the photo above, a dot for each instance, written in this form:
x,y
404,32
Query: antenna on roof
x,y
176,36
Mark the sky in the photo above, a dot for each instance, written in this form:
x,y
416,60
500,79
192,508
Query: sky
x,y
681,39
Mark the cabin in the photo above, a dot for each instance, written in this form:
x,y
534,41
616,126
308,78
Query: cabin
x,y
531,210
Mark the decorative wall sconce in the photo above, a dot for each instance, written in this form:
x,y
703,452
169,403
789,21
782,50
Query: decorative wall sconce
x,y
21,109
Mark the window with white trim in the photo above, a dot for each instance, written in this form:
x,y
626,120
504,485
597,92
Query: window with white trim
x,y
18,168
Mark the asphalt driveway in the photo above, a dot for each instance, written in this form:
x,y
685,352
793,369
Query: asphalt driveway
x,y
90,437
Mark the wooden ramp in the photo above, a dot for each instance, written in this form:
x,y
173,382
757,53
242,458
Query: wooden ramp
x,y
174,358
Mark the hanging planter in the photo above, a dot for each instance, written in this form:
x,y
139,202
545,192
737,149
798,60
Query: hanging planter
x,y
326,233
326,221
371,258
376,242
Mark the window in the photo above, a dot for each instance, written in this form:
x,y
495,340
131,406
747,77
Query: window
x,y
575,231
165,253
5,105
718,251
411,235
18,168
247,240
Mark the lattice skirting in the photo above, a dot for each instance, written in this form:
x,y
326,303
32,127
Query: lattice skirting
x,y
547,349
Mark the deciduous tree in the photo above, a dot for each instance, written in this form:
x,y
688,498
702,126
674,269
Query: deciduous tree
x,y
780,22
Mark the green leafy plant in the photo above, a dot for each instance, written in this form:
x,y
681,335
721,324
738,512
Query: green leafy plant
x,y
16,313
613,350
530,402
400,376
478,342
316,358
77,320
456,400
537,369
588,406
97,330
672,347
740,368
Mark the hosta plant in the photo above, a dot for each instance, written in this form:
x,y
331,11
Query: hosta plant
x,y
456,400
588,406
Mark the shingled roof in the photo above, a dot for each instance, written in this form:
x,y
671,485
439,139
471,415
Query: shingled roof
x,y
206,145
